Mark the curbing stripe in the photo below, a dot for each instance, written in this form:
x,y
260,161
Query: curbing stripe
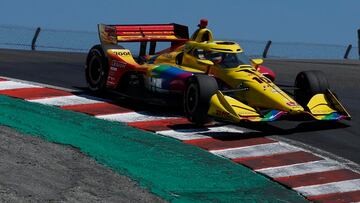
x,y
161,125
182,136
216,144
67,100
337,197
318,178
199,133
330,188
276,160
8,85
95,109
255,150
301,168
135,116
34,93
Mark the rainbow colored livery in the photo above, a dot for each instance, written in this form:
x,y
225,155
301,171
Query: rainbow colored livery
x,y
211,79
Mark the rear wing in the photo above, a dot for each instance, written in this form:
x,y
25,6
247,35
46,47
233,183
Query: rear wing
x,y
138,33
114,34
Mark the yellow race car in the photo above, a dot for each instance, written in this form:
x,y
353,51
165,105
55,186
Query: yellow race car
x,y
214,79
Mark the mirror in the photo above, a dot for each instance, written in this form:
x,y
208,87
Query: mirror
x,y
257,62
205,62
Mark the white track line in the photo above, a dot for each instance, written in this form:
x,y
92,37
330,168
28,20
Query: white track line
x,y
135,117
68,100
8,85
256,150
329,188
301,168
198,133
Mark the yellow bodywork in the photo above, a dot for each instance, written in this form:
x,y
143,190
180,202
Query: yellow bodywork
x,y
256,91
324,106
198,35
230,109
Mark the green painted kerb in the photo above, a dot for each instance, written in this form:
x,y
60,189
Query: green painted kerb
x,y
167,167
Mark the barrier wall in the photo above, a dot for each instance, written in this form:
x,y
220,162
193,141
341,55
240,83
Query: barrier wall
x,y
16,37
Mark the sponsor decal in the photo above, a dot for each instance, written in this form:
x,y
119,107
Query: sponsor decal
x,y
110,79
155,84
246,113
117,64
122,53
291,104
321,112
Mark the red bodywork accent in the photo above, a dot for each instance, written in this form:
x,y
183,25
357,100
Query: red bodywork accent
x,y
267,72
160,32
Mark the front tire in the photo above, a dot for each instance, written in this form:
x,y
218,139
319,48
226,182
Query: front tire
x,y
197,95
96,69
309,83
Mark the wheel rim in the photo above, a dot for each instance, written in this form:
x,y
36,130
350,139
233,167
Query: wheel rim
x,y
192,98
95,70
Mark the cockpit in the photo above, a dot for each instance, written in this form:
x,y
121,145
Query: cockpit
x,y
223,59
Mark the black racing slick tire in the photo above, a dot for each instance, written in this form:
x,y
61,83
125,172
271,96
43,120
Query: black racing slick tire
x,y
309,83
96,69
197,95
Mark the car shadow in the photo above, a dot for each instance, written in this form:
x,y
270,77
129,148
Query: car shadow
x,y
283,129
255,130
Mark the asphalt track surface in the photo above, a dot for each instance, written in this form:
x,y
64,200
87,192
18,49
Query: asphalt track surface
x,y
340,138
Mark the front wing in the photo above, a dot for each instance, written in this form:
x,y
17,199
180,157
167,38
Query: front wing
x,y
320,107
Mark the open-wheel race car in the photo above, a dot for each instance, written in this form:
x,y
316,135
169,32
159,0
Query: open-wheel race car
x,y
212,79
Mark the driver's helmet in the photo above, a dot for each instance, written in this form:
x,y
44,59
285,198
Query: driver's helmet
x,y
200,54
216,57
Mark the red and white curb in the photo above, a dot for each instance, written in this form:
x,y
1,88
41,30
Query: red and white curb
x,y
317,178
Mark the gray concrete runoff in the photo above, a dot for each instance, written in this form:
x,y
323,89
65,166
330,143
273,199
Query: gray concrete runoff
x,y
33,170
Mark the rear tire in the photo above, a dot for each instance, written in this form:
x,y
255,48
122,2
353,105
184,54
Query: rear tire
x,y
96,69
309,83
197,95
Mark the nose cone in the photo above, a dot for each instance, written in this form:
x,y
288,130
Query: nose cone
x,y
281,101
296,109
269,96
285,103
